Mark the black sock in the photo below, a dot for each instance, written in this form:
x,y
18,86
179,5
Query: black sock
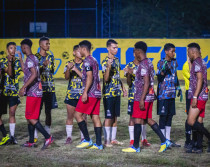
x,y
188,130
41,129
137,133
194,137
157,130
3,130
198,126
83,127
98,131
200,139
31,129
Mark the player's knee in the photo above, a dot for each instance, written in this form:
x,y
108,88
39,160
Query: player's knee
x,y
190,122
12,113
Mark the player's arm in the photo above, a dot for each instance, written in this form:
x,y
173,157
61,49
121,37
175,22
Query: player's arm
x,y
160,74
107,70
77,71
198,89
129,81
21,60
52,64
8,69
30,80
67,69
87,85
145,91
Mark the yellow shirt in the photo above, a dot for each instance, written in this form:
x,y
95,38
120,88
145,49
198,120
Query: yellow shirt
x,y
186,74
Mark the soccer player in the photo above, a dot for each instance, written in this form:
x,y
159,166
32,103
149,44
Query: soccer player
x,y
168,83
111,93
89,102
11,71
130,73
46,65
198,93
143,99
73,73
33,90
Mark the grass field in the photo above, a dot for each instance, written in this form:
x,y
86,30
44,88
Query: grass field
x,y
67,155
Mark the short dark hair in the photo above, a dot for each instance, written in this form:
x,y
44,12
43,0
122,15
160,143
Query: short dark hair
x,y
86,44
26,42
141,45
168,46
43,39
75,47
11,43
110,41
194,45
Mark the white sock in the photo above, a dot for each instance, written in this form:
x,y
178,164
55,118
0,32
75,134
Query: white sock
x,y
47,128
114,133
69,130
131,132
12,129
107,133
163,131
36,133
143,132
82,136
168,132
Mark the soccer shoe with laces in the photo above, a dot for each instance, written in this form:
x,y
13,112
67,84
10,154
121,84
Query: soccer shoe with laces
x,y
131,149
106,144
13,140
173,144
68,140
96,147
164,146
5,140
145,143
47,142
85,144
27,144
116,142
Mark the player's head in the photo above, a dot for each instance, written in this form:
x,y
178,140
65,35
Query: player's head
x,y
169,49
85,48
11,48
44,43
140,49
26,45
76,51
193,50
112,46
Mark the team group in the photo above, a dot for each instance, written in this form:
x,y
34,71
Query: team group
x,y
84,94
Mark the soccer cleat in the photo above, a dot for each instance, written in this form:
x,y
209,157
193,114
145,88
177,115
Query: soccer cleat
x,y
27,144
145,143
35,140
48,142
131,142
197,150
108,145
131,149
116,142
85,144
164,146
13,140
95,146
5,140
68,140
173,144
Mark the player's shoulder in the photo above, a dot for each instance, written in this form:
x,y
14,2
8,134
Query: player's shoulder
x,y
105,59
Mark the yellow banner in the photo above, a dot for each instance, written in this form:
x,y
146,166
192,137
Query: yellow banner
x,y
62,49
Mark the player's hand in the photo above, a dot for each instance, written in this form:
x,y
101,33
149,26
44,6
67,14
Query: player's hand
x,y
141,105
10,58
74,68
19,54
22,91
125,70
84,97
70,65
125,92
46,62
194,103
130,70
109,62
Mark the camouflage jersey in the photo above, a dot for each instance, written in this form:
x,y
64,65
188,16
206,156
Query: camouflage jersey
x,y
112,88
74,90
47,73
10,85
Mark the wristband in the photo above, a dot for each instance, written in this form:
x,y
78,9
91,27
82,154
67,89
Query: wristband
x,y
194,97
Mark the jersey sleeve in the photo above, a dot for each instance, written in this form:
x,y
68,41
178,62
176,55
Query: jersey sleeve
x,y
198,66
104,66
88,66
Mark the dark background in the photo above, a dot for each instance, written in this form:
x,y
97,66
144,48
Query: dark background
x,y
106,18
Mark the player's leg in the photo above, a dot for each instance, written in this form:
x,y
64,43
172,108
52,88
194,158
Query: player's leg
x,y
69,123
144,141
131,123
48,108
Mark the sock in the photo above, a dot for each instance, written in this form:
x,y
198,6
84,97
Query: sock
x,y
98,131
31,129
168,132
69,130
194,137
187,132
143,132
12,129
47,128
82,136
200,139
41,129
35,133
131,132
137,133
201,129
107,134
163,132
3,130
159,132
83,127
114,133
